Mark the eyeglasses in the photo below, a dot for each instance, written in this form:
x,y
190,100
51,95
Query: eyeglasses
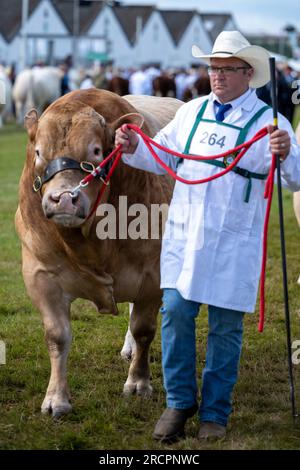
x,y
227,71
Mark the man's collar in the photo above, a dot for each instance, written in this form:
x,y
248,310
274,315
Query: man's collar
x,y
245,101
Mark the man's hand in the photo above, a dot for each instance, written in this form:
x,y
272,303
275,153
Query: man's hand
x,y
280,142
127,138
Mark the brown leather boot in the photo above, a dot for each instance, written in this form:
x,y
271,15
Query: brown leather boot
x,y
170,426
210,431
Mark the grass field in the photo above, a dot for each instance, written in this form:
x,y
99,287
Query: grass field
x,y
102,418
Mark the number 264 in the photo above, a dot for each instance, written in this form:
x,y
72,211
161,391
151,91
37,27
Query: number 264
x,y
211,139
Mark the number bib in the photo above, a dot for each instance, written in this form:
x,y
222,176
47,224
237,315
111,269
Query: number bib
x,y
212,138
209,137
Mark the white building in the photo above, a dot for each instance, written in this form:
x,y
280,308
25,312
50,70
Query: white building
x,y
125,35
78,23
117,30
214,23
154,43
47,36
186,29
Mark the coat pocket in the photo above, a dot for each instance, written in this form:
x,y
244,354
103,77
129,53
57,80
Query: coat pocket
x,y
239,215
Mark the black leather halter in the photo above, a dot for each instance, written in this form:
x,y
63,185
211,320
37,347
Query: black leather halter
x,y
65,163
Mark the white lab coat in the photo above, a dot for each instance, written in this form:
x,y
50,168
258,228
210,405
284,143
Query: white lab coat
x,y
217,260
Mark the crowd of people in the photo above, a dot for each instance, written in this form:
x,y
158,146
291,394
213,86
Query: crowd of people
x,y
186,84
150,79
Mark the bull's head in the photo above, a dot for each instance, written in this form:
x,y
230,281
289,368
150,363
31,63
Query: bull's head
x,y
67,141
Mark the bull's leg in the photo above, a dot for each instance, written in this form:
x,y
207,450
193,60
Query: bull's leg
x,y
54,305
20,111
58,338
129,345
143,327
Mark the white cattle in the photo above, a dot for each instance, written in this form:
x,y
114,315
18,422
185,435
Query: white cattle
x,y
5,96
36,88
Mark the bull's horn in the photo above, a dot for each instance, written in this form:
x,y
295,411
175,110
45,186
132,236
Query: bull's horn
x,y
131,118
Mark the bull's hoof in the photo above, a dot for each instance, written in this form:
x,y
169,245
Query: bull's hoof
x,y
140,387
57,410
129,389
144,389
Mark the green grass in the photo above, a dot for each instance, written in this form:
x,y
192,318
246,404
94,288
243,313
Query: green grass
x,y
296,119
102,418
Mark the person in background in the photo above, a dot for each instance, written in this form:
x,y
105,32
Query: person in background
x,y
87,83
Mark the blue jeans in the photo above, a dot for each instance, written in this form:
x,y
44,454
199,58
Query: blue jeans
x,y
224,346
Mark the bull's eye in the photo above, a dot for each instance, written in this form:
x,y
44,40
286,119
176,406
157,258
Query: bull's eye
x,y
37,152
97,151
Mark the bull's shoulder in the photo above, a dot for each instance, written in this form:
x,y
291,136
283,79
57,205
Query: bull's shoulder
x,y
157,111
154,103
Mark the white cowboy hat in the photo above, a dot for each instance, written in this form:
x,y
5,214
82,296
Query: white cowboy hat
x,y
233,44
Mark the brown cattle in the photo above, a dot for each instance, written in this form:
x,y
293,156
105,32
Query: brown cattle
x,y
201,87
164,86
63,258
119,85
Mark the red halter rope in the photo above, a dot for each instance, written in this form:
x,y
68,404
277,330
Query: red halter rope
x,y
242,149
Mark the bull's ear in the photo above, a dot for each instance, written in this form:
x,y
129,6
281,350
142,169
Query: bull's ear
x,y
31,122
101,120
131,118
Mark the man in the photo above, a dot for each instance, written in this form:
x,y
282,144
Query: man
x,y
217,260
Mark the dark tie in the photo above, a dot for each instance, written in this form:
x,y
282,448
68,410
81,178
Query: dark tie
x,y
220,115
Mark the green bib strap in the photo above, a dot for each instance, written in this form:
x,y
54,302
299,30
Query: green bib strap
x,y
242,136
192,133
242,172
240,140
195,126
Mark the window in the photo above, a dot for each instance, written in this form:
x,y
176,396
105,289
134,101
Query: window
x,y
46,21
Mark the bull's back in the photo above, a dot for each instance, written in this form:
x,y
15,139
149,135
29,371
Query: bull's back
x,y
157,111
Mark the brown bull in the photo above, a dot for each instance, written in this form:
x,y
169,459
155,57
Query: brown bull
x,y
119,85
201,87
164,86
63,259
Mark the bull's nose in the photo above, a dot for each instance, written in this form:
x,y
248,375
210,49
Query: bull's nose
x,y
58,197
65,207
63,202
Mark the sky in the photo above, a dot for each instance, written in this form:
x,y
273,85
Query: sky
x,y
252,16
